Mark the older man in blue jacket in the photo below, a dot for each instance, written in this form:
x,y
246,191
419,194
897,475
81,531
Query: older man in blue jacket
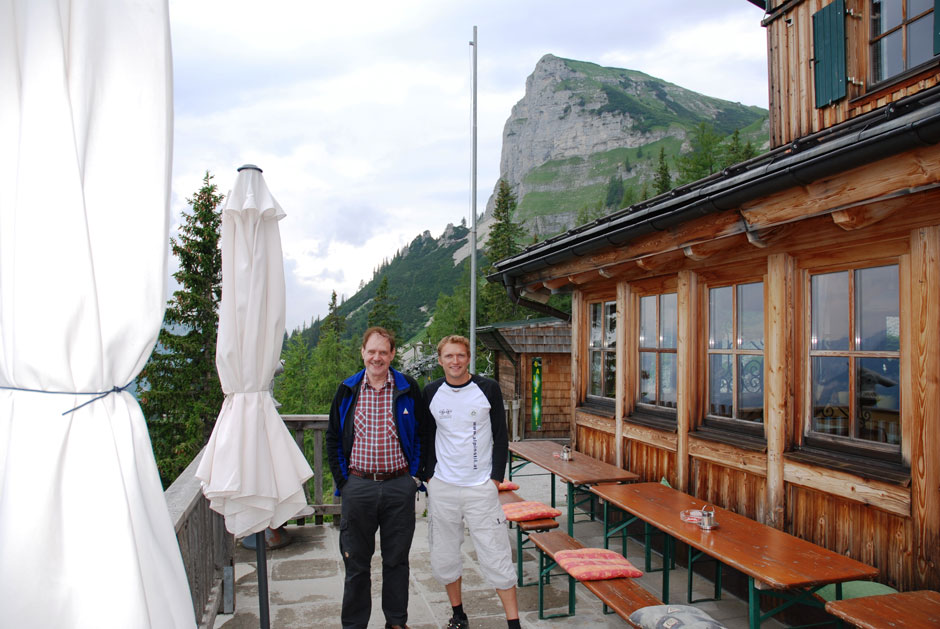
x,y
374,447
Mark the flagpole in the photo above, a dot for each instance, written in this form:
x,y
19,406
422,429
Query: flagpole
x,y
473,210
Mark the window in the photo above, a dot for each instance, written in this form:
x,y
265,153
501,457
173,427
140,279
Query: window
x,y
736,352
659,326
902,36
602,350
854,359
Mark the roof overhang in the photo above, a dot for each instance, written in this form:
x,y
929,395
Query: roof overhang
x,y
909,123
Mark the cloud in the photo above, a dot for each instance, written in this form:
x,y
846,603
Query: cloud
x,y
360,113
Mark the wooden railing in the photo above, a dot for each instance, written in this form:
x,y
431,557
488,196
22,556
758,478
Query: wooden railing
x,y
208,550
299,425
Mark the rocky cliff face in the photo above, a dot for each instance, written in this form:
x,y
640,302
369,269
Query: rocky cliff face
x,y
579,124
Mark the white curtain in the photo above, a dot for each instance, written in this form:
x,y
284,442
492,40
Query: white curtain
x,y
252,470
85,155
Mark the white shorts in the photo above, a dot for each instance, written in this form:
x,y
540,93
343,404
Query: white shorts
x,y
449,507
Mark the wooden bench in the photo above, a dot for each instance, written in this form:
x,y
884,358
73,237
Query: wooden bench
x,y
623,596
522,531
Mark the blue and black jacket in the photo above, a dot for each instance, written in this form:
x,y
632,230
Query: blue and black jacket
x,y
411,417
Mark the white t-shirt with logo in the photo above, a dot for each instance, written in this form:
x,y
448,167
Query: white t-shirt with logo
x,y
464,440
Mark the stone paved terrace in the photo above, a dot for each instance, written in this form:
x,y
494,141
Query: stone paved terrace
x,y
306,583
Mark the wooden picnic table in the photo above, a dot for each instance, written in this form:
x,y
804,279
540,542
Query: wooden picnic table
x,y
776,563
903,609
580,471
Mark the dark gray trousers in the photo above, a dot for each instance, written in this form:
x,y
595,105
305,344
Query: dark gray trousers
x,y
388,506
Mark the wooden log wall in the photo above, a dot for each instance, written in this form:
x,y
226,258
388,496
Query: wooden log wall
x,y
556,399
792,99
893,525
869,535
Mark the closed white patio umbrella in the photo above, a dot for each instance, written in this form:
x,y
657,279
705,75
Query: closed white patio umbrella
x,y
252,470
86,540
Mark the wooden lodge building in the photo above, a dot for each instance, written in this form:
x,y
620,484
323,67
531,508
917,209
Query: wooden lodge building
x,y
517,345
768,338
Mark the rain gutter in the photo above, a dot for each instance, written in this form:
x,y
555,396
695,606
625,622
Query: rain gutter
x,y
907,124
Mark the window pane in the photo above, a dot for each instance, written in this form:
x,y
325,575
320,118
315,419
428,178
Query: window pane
x,y
610,327
610,374
878,399
886,57
720,385
876,307
594,385
648,321
720,329
751,316
830,380
920,41
916,7
596,323
668,320
751,388
830,299
885,15
647,378
667,380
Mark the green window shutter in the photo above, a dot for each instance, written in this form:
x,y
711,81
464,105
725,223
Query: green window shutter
x,y
936,27
829,51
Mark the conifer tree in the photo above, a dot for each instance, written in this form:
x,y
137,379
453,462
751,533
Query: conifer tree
x,y
293,387
384,311
704,158
662,182
333,320
614,191
180,391
504,241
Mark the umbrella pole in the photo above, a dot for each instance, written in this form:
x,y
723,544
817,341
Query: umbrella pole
x,y
261,552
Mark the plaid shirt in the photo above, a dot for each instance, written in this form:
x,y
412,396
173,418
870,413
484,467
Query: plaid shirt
x,y
376,448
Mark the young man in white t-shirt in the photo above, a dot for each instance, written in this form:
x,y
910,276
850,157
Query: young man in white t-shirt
x,y
467,449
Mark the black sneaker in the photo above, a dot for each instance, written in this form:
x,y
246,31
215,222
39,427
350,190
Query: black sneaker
x,y
458,622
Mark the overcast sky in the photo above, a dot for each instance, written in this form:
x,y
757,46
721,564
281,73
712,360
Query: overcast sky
x,y
359,112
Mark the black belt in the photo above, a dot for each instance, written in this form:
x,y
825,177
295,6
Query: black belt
x,y
379,475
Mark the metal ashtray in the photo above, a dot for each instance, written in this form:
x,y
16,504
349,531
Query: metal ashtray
x,y
707,521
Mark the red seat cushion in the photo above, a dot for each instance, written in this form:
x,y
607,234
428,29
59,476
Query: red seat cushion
x,y
528,510
508,485
594,564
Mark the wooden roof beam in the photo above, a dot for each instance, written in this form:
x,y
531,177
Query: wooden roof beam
x,y
556,283
868,214
541,295
662,261
584,278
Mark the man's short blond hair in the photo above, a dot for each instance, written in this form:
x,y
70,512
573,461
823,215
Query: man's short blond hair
x,y
454,338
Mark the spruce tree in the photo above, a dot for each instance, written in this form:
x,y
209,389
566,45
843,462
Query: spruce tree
x,y
384,311
504,241
614,192
705,156
293,387
662,182
333,319
180,391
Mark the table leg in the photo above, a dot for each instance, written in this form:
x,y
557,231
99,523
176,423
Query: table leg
x,y
553,489
570,508
667,558
753,604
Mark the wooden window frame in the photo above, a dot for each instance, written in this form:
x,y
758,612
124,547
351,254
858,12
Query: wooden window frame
x,y
902,27
731,424
839,447
591,399
652,414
